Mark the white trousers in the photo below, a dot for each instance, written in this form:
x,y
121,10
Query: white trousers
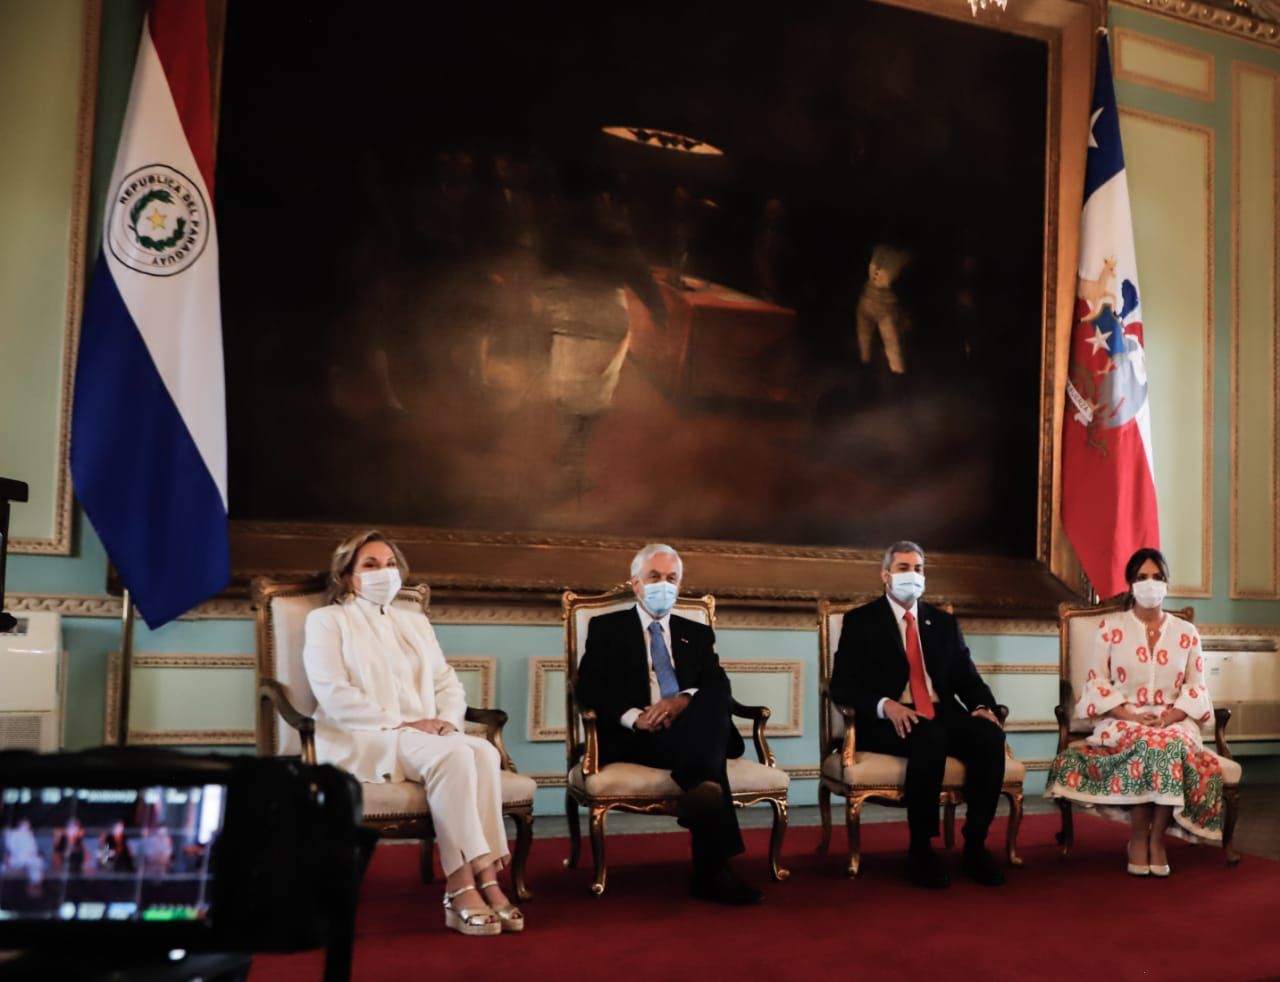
x,y
462,778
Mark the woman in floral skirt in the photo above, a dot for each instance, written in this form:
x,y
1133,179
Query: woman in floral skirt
x,y
1145,693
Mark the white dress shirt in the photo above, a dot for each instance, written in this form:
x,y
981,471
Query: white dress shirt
x,y
899,613
655,691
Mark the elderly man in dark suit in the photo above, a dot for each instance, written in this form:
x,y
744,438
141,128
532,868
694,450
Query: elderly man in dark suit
x,y
904,667
663,700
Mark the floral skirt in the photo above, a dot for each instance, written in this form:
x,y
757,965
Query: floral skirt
x,y
1140,764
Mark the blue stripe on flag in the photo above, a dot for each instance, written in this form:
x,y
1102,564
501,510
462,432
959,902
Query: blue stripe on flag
x,y
137,471
1106,160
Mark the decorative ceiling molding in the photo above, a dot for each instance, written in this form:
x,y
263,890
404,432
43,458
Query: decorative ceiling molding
x,y
1258,20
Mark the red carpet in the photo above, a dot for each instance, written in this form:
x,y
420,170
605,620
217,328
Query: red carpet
x,y
1052,920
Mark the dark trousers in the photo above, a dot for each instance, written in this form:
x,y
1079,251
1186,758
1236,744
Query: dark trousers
x,y
975,742
693,749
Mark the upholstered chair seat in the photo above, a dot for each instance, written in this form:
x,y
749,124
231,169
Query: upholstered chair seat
x,y
638,781
870,770
405,799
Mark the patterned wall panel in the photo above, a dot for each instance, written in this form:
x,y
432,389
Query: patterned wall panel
x,y
1255,321
42,251
1160,64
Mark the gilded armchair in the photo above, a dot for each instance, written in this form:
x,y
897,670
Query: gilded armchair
x,y
284,725
859,776
649,790
1076,627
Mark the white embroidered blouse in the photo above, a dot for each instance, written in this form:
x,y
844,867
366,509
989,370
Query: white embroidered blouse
x,y
1124,668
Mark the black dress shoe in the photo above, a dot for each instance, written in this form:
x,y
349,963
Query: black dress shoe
x,y
925,869
981,866
722,887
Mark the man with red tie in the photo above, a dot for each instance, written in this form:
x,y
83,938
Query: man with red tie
x,y
905,669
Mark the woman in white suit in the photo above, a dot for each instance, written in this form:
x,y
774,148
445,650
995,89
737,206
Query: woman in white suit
x,y
391,709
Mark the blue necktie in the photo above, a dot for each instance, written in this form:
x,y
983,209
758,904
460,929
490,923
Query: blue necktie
x,y
662,667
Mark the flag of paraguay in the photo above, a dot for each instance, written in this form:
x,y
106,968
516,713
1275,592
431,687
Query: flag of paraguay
x,y
1108,485
148,434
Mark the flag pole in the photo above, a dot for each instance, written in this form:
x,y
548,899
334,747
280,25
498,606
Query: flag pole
x,y
126,670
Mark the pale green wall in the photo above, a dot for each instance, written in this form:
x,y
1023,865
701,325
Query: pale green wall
x,y
36,175
1031,696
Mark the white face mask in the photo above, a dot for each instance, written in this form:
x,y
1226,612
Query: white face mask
x,y
379,586
906,588
1150,593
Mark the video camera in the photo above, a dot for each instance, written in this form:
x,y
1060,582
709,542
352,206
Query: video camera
x,y
125,851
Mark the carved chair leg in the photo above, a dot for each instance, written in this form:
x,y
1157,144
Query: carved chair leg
x,y
575,831
426,855
1015,820
1065,837
824,809
598,815
949,824
775,840
524,840
1231,800
853,826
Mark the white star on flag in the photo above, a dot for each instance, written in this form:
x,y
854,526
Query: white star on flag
x,y
1099,339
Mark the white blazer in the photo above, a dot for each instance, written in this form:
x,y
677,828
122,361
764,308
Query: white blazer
x,y
348,658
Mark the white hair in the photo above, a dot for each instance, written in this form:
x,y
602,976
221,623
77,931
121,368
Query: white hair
x,y
902,545
651,550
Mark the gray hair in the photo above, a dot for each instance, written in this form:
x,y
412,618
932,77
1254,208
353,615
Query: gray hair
x,y
651,550
902,545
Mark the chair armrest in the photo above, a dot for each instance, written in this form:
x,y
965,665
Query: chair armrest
x,y
1062,713
1221,717
269,690
759,716
1002,714
850,745
493,720
591,753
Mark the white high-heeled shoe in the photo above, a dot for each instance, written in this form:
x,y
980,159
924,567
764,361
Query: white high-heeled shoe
x,y
1136,869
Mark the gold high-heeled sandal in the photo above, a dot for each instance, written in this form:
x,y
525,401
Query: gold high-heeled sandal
x,y
508,914
476,921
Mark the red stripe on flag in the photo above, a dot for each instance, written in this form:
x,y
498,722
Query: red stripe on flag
x,y
1108,501
180,33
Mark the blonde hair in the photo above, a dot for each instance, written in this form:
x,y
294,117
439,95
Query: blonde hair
x,y
343,561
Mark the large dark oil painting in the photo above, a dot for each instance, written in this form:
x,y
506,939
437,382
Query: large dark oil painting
x,y
760,273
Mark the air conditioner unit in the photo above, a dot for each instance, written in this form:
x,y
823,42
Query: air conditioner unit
x,y
32,683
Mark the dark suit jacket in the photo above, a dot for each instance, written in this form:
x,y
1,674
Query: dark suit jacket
x,y
871,661
613,675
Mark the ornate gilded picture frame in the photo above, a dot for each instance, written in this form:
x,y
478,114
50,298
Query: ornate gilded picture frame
x,y
536,487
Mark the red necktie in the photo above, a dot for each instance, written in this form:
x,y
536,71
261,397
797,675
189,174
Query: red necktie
x,y
915,662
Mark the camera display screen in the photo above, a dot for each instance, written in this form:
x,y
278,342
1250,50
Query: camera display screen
x,y
109,854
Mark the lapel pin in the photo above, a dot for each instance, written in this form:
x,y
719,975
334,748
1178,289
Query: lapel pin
x,y
928,623
684,640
